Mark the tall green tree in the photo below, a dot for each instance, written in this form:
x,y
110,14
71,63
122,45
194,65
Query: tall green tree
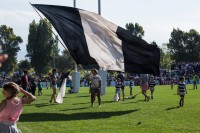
x,y
65,61
24,65
165,58
184,46
41,45
135,29
10,45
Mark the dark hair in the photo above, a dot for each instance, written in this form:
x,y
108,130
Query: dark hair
x,y
54,70
25,71
13,88
95,70
181,78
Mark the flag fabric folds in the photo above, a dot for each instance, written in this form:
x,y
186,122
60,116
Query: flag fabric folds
x,y
91,39
61,93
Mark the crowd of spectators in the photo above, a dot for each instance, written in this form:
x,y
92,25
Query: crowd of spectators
x,y
186,69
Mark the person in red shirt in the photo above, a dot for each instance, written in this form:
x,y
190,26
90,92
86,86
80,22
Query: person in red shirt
x,y
24,81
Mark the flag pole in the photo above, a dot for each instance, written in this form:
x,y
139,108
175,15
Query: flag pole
x,y
101,72
76,76
99,7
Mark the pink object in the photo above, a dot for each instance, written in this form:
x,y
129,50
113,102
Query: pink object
x,y
11,112
144,86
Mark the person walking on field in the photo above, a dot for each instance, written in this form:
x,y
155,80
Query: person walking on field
x,y
144,86
152,84
181,91
54,80
95,86
121,76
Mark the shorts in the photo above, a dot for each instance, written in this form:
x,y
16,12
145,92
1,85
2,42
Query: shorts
x,y
95,90
54,86
151,89
9,128
182,95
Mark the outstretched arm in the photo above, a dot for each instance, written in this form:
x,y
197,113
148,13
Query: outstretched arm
x,y
29,97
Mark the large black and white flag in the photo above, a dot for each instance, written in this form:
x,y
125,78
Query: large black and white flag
x,y
91,39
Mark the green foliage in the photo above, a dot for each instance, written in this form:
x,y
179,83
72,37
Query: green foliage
x,y
184,46
65,61
41,46
74,115
135,29
165,58
24,65
10,45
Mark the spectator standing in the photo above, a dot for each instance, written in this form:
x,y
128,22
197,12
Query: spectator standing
x,y
24,81
121,76
144,86
54,80
95,87
181,91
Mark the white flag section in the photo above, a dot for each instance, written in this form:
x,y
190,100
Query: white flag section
x,y
61,93
101,32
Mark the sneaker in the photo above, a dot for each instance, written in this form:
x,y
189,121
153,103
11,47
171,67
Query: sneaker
x,y
99,106
151,97
92,105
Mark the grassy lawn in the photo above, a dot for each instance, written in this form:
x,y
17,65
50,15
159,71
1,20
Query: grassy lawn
x,y
160,115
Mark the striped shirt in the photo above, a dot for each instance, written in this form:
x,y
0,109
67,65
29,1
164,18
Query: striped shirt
x,y
181,88
119,84
152,83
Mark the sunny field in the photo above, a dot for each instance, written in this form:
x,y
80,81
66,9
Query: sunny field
x,y
160,115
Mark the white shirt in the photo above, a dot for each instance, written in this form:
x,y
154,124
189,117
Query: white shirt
x,y
95,80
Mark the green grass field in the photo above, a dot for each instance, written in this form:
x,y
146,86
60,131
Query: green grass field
x,y
160,115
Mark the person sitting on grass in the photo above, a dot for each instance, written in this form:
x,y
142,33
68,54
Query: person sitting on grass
x,y
11,107
181,91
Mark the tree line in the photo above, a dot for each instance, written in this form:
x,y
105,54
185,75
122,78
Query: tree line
x,y
43,52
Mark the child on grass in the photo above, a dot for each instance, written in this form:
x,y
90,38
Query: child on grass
x,y
144,86
152,84
172,83
118,85
181,91
39,84
131,84
11,107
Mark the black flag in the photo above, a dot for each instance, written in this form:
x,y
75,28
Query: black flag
x,y
91,39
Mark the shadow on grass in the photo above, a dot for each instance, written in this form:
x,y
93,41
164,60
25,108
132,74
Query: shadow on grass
x,y
81,103
40,117
108,101
75,109
84,96
176,107
45,104
134,101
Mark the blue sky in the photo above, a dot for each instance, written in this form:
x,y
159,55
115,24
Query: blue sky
x,y
157,17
